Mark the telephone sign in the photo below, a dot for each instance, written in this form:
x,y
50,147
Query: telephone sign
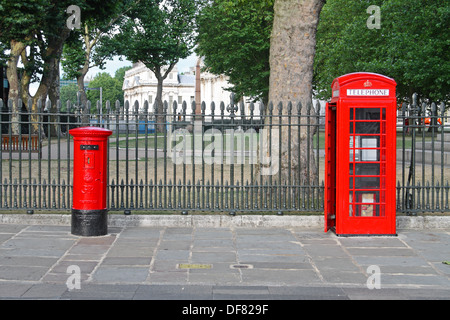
x,y
367,92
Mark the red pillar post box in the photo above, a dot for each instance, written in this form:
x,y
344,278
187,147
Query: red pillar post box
x,y
360,156
90,163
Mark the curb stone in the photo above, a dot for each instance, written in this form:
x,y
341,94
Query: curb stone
x,y
212,221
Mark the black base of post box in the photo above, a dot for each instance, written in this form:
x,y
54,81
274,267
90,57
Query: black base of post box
x,y
89,223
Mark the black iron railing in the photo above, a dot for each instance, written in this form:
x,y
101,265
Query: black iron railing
x,y
231,158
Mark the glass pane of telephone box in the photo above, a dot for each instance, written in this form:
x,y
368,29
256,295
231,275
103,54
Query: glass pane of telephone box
x,y
364,148
367,175
364,175
366,120
365,204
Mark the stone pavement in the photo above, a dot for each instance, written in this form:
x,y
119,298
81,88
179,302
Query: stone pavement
x,y
230,263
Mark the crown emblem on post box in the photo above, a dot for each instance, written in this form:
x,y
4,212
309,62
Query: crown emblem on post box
x,y
367,84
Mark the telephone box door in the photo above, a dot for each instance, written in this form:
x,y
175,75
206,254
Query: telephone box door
x,y
330,166
369,201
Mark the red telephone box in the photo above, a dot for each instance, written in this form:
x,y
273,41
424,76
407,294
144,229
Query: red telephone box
x,y
360,156
89,213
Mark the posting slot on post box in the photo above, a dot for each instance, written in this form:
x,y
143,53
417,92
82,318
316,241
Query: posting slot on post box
x,y
89,161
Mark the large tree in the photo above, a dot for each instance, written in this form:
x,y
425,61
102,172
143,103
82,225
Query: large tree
x,y
267,49
158,33
292,49
36,31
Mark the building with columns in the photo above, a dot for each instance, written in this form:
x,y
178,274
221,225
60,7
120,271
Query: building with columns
x,y
140,85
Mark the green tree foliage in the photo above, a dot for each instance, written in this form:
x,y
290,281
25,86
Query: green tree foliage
x,y
234,39
34,32
68,92
19,18
111,90
120,73
158,33
411,46
20,23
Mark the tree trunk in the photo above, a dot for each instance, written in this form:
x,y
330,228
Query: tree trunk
x,y
26,78
159,110
53,95
41,94
82,91
84,70
13,79
51,59
292,49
